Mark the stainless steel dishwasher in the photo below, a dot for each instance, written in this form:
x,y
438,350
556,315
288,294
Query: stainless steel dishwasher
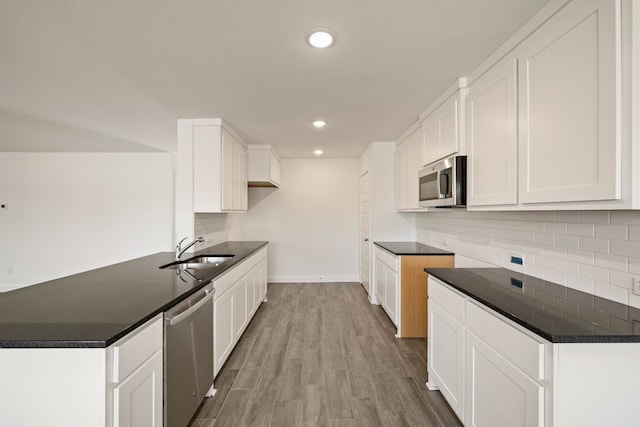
x,y
188,356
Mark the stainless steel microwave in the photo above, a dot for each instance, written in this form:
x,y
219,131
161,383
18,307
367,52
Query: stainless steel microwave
x,y
443,184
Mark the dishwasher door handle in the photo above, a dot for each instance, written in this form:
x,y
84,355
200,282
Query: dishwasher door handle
x,y
171,321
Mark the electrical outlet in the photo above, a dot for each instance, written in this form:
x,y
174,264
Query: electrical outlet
x,y
517,260
636,285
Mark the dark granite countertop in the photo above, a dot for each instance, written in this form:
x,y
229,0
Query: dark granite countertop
x,y
555,312
411,248
96,308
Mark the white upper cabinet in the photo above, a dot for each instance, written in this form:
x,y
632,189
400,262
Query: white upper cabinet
x,y
441,125
219,168
570,142
408,164
264,166
491,136
402,169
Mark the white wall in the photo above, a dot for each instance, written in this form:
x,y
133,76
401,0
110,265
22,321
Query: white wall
x,y
311,221
72,212
593,251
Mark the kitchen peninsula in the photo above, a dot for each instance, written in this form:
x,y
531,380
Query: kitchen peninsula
x,y
66,346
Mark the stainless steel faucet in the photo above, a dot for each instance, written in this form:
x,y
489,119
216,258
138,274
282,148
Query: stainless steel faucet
x,y
180,250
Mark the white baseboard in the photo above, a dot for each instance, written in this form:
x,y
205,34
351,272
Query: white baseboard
x,y
312,279
6,288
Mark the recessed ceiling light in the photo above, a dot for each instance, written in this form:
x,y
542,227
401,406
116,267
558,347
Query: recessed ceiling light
x,y
321,38
317,152
319,123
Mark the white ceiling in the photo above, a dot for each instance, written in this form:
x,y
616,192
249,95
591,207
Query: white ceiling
x,y
113,75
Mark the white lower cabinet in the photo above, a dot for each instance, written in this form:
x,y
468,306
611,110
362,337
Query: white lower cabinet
x,y
137,375
387,282
499,381
238,294
137,401
494,382
223,336
446,357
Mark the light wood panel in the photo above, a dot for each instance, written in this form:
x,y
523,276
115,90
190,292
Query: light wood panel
x,y
414,292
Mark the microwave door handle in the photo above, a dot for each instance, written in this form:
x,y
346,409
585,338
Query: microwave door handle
x,y
443,177
439,185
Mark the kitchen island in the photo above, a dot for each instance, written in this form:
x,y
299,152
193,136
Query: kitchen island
x,y
71,348
510,349
400,285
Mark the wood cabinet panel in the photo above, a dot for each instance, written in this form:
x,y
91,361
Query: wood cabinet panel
x,y
414,292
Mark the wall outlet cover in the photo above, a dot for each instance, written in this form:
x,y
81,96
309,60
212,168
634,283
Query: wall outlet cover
x,y
636,285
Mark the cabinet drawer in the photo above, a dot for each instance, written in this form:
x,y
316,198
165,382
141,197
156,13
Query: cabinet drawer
x,y
133,350
449,301
387,258
525,351
229,278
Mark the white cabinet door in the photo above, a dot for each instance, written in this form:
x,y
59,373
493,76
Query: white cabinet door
x,y
137,400
492,138
391,290
402,154
240,306
497,392
223,329
240,182
414,164
430,140
446,357
380,282
227,175
441,136
568,106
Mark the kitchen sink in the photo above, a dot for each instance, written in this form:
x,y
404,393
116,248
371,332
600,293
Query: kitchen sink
x,y
201,261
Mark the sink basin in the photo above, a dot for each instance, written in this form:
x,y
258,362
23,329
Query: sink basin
x,y
202,261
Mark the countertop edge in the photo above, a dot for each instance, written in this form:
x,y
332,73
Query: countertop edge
x,y
554,339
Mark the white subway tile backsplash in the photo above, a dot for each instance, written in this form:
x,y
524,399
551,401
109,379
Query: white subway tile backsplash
x,y
581,284
594,273
594,245
625,217
605,231
595,217
536,227
534,271
612,262
535,249
555,252
621,279
568,267
545,262
597,252
555,277
625,247
555,227
568,216
545,239
581,257
613,293
548,216
568,241
585,230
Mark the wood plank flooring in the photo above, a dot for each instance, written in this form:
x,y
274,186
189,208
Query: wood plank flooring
x,y
319,354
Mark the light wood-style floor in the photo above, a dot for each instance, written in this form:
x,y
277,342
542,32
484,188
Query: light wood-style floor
x,y
319,354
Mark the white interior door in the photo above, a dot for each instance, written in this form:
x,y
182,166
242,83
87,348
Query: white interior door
x,y
365,247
